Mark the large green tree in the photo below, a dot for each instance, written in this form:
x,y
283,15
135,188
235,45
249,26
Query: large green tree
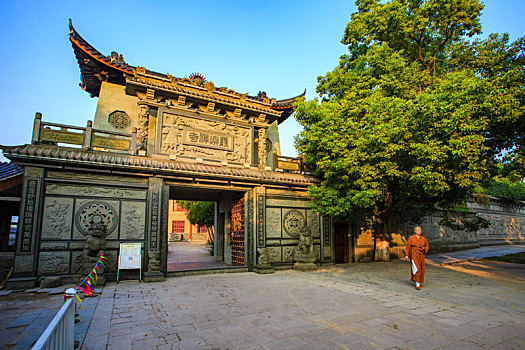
x,y
415,116
201,214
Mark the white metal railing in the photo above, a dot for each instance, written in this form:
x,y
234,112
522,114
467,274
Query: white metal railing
x,y
60,334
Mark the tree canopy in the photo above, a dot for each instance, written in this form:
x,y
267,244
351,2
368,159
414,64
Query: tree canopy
x,y
416,116
201,214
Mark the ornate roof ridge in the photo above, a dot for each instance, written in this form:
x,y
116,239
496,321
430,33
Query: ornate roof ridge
x,y
64,155
92,75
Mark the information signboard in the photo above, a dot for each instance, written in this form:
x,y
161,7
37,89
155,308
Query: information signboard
x,y
130,257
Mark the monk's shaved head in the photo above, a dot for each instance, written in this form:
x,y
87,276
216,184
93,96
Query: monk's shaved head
x,y
417,228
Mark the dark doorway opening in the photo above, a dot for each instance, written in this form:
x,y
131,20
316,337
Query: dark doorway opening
x,y
342,243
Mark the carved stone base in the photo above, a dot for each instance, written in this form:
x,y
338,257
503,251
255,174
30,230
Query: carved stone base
x,y
305,266
263,269
153,277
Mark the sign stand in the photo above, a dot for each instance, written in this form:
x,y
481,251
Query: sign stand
x,y
130,258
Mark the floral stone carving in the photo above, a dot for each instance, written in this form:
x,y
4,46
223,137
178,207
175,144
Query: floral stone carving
x,y
96,212
119,119
293,222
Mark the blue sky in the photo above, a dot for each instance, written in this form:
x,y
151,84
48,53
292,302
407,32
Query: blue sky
x,y
275,46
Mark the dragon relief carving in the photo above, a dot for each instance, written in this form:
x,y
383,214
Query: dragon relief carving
x,y
57,225
133,225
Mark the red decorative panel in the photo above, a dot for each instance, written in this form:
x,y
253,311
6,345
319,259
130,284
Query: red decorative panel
x,y
237,233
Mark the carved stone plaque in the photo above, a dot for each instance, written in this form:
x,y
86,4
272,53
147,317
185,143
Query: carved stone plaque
x,y
57,218
95,191
107,142
62,136
273,222
51,263
184,136
313,223
207,138
119,119
132,223
293,222
94,212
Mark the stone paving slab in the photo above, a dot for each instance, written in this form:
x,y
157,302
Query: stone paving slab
x,y
473,254
356,306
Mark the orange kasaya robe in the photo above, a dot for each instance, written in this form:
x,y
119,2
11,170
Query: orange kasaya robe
x,y
417,257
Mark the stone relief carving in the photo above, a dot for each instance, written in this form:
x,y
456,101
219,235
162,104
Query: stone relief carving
x,y
54,245
153,261
142,130
274,254
119,119
96,177
273,222
293,222
57,218
132,222
53,262
95,191
76,264
288,254
96,213
313,223
263,153
263,260
198,138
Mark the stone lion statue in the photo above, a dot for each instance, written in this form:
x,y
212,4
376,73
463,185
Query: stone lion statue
x,y
304,252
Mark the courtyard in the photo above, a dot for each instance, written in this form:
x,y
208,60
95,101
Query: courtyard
x,y
470,305
475,304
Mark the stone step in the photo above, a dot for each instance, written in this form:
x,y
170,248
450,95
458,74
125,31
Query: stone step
x,y
195,272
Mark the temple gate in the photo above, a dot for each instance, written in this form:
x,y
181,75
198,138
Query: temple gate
x,y
156,137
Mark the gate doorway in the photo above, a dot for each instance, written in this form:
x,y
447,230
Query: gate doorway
x,y
342,243
220,245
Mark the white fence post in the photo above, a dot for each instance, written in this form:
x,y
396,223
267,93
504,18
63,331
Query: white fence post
x,y
60,334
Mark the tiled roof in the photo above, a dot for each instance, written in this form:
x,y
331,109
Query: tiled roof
x,y
95,68
9,170
71,156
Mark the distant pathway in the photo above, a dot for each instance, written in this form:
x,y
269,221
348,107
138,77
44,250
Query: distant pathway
x,y
473,254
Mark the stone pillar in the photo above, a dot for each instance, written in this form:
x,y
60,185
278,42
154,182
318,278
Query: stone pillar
x,y
327,253
263,264
153,258
28,236
249,234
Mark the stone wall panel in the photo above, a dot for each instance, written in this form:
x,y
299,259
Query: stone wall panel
x,y
57,218
273,222
51,263
132,222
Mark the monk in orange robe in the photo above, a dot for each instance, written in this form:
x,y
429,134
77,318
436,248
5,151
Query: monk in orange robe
x,y
417,247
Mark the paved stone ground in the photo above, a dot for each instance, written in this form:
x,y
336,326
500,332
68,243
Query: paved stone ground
x,y
184,256
468,305
358,306
477,253
24,317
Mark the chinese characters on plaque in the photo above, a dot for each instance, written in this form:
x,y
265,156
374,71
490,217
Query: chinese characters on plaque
x,y
208,139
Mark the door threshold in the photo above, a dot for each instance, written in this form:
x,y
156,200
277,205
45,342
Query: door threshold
x,y
207,271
